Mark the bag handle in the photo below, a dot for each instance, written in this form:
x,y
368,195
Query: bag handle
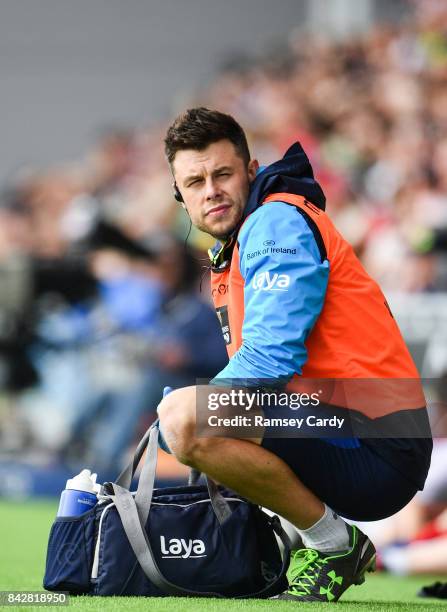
x,y
145,489
143,497
124,479
136,534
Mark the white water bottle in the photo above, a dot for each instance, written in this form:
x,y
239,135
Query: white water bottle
x,y
80,494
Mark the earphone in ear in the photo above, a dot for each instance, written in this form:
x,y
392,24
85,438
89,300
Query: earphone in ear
x,y
177,195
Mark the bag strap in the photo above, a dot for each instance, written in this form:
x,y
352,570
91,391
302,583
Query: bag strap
x,y
194,476
269,589
145,489
143,497
124,479
130,518
146,483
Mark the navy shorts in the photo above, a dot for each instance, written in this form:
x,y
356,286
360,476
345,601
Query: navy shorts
x,y
366,481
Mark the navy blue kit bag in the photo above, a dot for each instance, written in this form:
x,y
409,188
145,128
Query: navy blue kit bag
x,y
194,540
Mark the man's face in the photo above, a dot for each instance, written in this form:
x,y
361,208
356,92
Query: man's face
x,y
214,184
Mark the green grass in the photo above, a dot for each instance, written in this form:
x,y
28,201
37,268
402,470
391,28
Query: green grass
x,y
24,530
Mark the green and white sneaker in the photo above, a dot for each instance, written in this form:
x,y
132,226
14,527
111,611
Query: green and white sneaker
x,y
315,576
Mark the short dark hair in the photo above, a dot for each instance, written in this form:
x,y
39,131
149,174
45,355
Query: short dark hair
x,y
197,128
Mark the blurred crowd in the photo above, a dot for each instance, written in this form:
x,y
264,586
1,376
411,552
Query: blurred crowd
x,y
100,308
101,304
371,113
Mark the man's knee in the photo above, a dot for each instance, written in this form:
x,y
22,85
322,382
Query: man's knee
x,y
178,424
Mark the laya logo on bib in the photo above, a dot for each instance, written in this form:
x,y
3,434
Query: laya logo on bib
x,y
181,549
266,281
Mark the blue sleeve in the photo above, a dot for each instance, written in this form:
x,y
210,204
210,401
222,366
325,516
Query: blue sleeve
x,y
285,287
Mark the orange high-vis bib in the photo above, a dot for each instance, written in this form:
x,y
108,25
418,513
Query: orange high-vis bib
x,y
355,336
